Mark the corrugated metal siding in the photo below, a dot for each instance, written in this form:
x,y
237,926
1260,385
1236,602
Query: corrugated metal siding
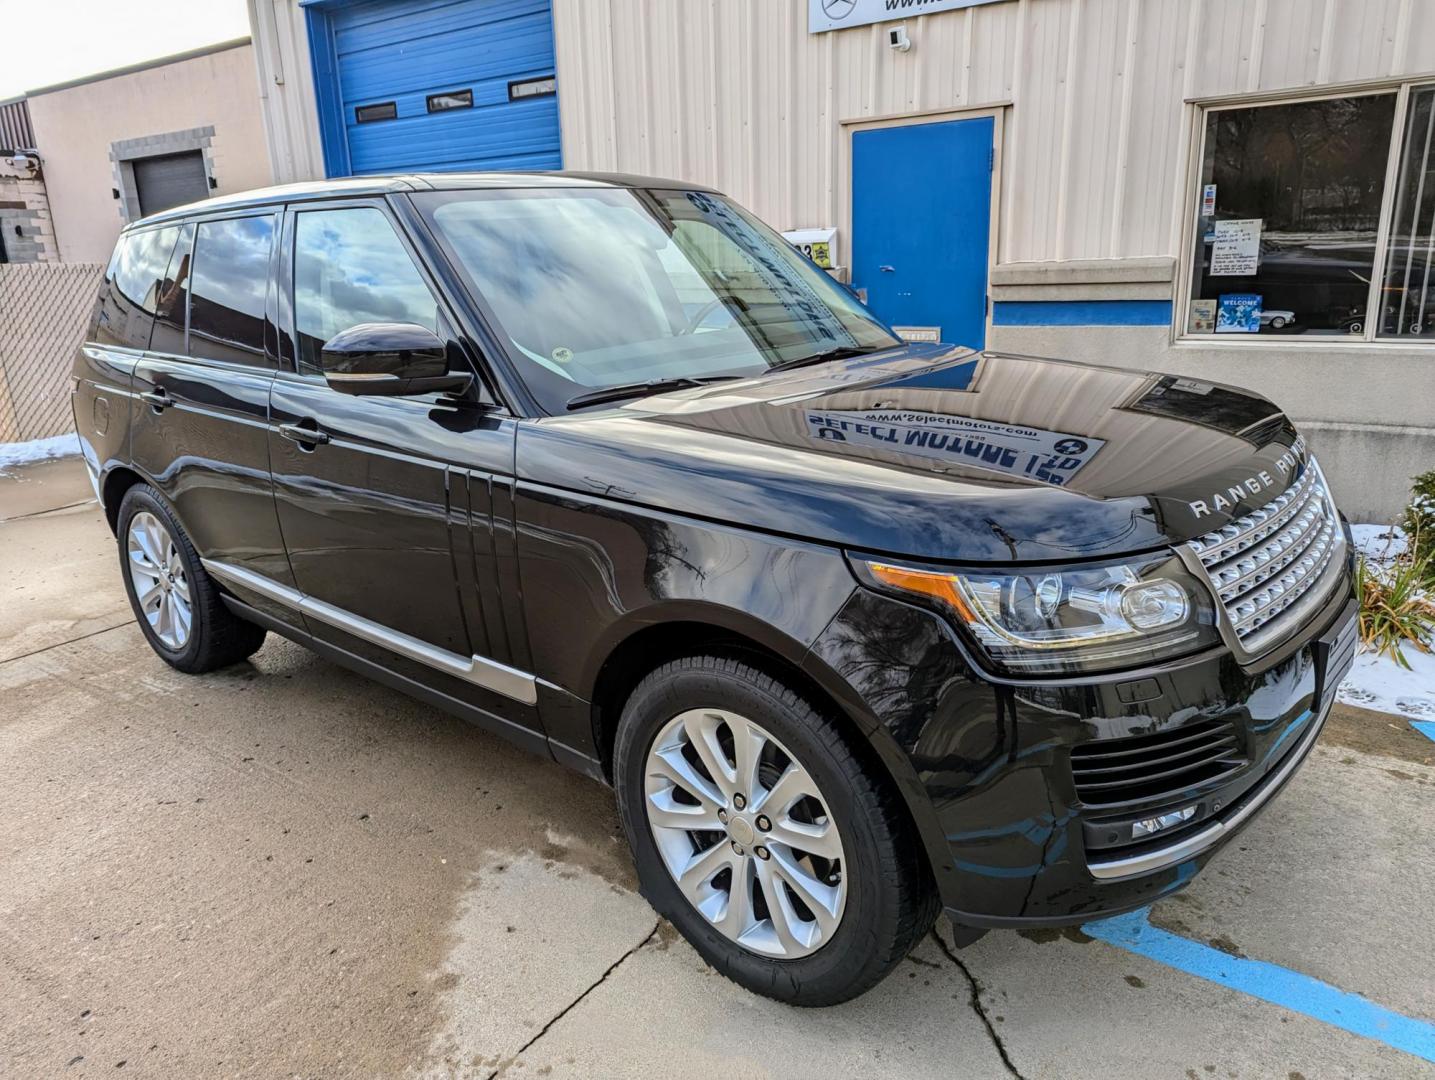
x,y
737,94
15,130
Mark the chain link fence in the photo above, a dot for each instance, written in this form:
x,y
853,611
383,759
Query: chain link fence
x,y
44,308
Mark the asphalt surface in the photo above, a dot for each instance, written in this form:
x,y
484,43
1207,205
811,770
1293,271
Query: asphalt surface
x,y
283,870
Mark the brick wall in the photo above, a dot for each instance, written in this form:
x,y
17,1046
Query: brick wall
x,y
44,310
25,223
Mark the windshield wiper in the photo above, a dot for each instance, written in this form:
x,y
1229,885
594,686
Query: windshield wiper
x,y
842,352
643,389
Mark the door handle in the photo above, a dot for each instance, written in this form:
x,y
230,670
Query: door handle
x,y
307,437
157,398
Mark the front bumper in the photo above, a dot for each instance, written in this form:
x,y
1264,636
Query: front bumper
x,y
1010,838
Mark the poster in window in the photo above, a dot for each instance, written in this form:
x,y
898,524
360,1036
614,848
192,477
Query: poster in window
x,y
1237,250
1203,317
1239,313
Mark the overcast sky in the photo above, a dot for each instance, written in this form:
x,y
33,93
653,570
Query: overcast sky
x,y
51,41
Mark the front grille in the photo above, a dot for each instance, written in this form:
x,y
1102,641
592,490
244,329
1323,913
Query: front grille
x,y
1261,564
1114,773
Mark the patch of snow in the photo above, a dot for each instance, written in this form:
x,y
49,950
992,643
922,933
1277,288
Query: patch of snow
x,y
25,453
1380,544
1378,682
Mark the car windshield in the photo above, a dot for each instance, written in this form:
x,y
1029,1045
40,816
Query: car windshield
x,y
603,287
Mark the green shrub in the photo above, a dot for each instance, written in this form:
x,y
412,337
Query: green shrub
x,y
1395,609
1419,522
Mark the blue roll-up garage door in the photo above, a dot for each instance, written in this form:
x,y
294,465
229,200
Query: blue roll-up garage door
x,y
417,85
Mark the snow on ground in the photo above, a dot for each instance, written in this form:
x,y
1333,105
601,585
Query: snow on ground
x,y
1377,682
23,453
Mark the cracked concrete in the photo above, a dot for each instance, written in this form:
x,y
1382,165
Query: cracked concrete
x,y
283,870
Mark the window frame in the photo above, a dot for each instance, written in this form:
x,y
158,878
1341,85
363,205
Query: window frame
x,y
286,322
1191,226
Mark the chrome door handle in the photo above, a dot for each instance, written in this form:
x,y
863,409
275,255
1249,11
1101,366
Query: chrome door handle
x,y
301,434
157,398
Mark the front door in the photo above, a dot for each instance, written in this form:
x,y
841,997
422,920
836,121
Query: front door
x,y
384,502
921,221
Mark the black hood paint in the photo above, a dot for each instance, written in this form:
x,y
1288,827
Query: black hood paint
x,y
936,454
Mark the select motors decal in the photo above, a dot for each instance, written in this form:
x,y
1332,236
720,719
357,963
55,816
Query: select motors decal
x,y
1052,457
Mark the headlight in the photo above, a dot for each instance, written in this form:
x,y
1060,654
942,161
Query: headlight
x,y
1067,619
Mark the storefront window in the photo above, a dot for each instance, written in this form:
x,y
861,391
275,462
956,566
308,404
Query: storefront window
x,y
1289,217
1407,293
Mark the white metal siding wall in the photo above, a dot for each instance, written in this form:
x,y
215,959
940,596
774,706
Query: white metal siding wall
x,y
737,94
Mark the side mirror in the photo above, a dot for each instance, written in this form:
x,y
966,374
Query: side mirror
x,y
391,359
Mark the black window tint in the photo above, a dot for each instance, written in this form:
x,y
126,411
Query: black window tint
x,y
349,268
172,300
132,286
230,280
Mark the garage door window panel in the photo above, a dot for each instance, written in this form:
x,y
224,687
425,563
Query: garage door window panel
x,y
231,281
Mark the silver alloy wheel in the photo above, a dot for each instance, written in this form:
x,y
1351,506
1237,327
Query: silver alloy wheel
x,y
745,833
159,581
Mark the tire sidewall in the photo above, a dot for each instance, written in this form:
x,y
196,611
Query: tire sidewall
x,y
846,957
143,498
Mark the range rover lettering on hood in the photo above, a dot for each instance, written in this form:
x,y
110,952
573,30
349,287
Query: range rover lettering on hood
x,y
1252,485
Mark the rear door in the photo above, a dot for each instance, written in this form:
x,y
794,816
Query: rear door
x,y
201,416
388,504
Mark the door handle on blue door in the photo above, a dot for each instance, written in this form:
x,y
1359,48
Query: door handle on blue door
x,y
157,398
307,437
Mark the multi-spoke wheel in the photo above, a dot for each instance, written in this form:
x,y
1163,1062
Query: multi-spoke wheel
x,y
160,585
761,830
745,832
177,604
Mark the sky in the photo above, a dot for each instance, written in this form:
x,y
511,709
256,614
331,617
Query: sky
x,y
52,41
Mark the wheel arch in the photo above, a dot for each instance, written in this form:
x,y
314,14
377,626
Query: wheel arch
x,y
650,646
113,486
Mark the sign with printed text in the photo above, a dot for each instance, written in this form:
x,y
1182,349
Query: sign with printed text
x,y
1052,457
1237,248
824,15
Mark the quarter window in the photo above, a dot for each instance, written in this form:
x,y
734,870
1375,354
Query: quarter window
x,y
133,287
229,283
349,268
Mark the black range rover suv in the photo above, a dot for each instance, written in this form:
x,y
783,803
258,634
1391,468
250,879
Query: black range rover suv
x,y
857,629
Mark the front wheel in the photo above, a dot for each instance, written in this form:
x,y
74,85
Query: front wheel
x,y
175,601
762,834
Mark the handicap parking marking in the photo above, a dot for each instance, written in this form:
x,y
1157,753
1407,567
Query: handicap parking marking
x,y
1269,982
1425,727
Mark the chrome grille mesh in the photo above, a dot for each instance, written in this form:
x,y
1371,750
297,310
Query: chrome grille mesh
x,y
1263,563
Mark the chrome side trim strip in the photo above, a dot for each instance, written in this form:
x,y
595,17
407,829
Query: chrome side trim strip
x,y
1161,858
479,670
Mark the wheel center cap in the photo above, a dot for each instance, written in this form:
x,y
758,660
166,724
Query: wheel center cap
x,y
741,831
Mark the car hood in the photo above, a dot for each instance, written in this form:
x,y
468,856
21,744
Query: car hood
x,y
937,454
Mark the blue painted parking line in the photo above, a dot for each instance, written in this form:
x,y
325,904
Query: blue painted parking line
x,y
1269,982
1425,727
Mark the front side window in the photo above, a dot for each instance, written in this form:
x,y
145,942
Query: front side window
x,y
1291,197
598,287
229,282
349,268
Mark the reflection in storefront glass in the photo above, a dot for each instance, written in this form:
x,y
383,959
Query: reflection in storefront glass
x,y
1407,296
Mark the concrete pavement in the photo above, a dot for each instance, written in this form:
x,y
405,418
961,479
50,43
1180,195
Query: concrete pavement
x,y
284,870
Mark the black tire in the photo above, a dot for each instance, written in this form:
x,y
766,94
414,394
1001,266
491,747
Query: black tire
x,y
891,902
217,636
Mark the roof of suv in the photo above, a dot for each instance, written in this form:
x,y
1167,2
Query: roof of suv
x,y
358,186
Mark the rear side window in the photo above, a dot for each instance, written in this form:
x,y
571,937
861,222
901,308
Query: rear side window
x,y
132,287
350,267
228,285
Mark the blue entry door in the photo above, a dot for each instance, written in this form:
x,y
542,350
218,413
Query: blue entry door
x,y
921,222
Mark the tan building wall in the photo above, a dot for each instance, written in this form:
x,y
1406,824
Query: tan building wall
x,y
173,103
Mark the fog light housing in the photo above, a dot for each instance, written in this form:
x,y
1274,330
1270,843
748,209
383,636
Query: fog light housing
x,y
1152,825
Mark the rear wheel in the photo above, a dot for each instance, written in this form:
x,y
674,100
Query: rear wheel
x,y
175,601
760,832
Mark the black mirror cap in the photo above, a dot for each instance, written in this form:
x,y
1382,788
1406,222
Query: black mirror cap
x,y
390,359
